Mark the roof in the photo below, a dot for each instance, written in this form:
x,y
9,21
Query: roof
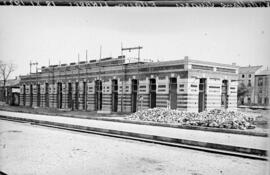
x,y
249,69
264,72
211,63
11,82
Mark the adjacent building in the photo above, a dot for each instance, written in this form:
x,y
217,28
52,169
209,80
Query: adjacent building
x,y
262,87
247,81
9,92
111,85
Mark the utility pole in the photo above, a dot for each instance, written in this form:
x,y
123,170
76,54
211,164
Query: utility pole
x,y
66,87
53,85
46,91
78,66
86,58
58,82
133,48
59,73
32,64
51,71
47,96
123,76
77,86
36,64
85,85
99,81
38,98
86,54
100,52
138,60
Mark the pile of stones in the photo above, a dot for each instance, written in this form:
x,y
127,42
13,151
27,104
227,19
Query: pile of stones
x,y
214,118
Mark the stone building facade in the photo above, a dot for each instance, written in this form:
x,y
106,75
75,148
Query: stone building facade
x,y
111,85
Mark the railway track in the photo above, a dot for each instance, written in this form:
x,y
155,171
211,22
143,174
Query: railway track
x,y
111,133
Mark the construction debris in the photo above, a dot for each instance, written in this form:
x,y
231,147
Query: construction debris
x,y
214,118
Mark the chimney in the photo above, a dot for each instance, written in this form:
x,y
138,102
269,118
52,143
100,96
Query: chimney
x,y
186,58
234,64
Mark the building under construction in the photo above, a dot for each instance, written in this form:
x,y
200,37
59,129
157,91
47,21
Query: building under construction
x,y
111,85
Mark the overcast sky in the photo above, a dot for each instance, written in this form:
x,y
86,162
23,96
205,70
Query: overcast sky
x,y
58,34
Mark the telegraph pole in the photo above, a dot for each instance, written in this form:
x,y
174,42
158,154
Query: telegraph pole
x,y
36,72
100,52
133,48
53,85
38,95
85,85
32,64
123,76
66,87
78,66
86,58
138,60
86,54
51,71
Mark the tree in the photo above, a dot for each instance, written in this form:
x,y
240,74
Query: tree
x,y
5,71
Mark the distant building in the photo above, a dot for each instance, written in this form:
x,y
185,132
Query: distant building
x,y
262,87
10,93
247,80
112,85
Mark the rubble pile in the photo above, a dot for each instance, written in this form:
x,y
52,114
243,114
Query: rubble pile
x,y
214,118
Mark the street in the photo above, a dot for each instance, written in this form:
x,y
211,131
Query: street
x,y
29,149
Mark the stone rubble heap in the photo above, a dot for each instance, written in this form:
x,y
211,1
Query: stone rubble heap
x,y
214,118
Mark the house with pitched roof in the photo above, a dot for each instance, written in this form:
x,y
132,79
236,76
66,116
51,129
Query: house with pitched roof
x,y
8,90
262,87
247,80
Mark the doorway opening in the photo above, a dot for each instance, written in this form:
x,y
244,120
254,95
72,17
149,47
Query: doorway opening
x,y
47,94
70,95
173,93
114,95
31,95
84,96
153,88
202,95
98,95
134,95
77,95
224,94
24,95
59,95
38,95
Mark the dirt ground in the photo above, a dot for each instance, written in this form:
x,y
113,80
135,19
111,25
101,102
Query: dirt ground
x,y
26,149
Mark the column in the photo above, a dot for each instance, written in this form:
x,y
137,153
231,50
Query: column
x,y
162,92
213,91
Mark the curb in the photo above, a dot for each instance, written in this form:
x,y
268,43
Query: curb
x,y
229,131
210,129
220,147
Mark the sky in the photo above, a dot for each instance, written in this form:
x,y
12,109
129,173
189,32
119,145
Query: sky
x,y
59,34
